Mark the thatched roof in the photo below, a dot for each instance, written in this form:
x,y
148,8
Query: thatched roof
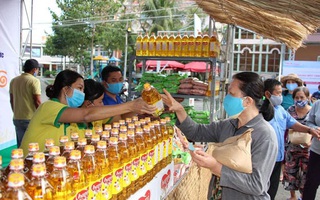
x,y
287,21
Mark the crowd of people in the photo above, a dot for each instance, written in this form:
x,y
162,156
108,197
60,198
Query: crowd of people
x,y
269,107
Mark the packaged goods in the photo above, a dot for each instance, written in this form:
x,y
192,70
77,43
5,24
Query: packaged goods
x,y
170,43
88,135
177,45
33,148
191,46
152,45
205,45
139,45
160,144
54,151
152,97
142,150
68,147
48,143
16,189
127,166
63,139
150,152
159,40
165,45
134,155
94,140
198,46
74,138
165,134
184,46
82,142
38,158
145,43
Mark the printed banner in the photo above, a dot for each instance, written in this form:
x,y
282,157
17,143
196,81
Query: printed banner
x,y
9,68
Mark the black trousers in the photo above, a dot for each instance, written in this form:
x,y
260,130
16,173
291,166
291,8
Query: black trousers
x,y
274,180
313,177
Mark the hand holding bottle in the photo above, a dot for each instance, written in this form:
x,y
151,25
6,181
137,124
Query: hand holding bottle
x,y
174,106
141,107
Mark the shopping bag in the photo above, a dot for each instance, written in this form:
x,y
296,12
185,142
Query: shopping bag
x,y
299,137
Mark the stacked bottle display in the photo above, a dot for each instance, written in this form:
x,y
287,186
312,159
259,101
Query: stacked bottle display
x,y
178,45
116,163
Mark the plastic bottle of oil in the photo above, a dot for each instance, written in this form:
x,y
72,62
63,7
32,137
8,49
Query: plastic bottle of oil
x,y
170,130
123,129
33,148
152,45
88,135
78,182
160,143
152,97
191,46
60,179
171,41
48,143
115,132
155,147
116,166
212,46
16,154
143,152
131,127
122,122
63,139
128,120
177,45
16,166
105,170
116,125
107,127
16,189
97,127
91,171
209,90
53,152
127,165
159,39
68,147
133,151
150,152
165,45
38,158
165,134
74,138
135,118
94,140
137,124
38,187
82,142
198,45
184,45
105,136
139,45
145,45
205,45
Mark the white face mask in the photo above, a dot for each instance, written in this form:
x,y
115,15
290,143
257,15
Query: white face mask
x,y
276,100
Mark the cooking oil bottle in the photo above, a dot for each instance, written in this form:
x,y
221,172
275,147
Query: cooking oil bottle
x,y
198,45
33,148
60,179
212,46
161,144
123,129
137,124
79,184
127,166
209,90
94,140
131,127
39,188
171,41
116,125
115,132
135,118
128,120
16,189
159,39
155,148
177,45
38,158
150,152
91,171
68,147
16,154
105,136
139,45
133,151
145,45
97,127
163,129
105,170
116,166
165,45
205,45
88,135
53,152
63,139
107,127
152,45
170,130
16,166
74,138
82,142
48,143
152,97
191,46
141,146
122,122
184,45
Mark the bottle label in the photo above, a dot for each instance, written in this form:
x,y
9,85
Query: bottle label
x,y
211,46
170,145
126,172
158,46
117,180
144,46
81,194
106,190
134,171
171,46
166,150
142,169
151,46
156,151
138,46
160,150
150,160
164,46
94,189
160,107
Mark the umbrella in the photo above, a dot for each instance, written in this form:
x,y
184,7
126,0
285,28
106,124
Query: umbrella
x,y
163,63
114,59
197,67
100,58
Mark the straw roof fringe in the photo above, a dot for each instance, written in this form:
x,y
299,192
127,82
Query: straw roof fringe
x,y
287,21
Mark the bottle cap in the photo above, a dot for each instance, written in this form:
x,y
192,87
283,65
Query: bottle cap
x,y
122,122
98,129
38,157
137,123
123,128
107,127
74,136
142,121
95,138
156,123
49,143
151,125
33,147
148,119
88,133
15,180
130,133
113,140
123,136
16,153
168,119
16,164
105,134
89,149
146,128
82,141
69,145
114,131
102,145
131,126
63,139
38,170
139,130
135,118
163,121
75,155
147,86
116,125
59,161
54,151
128,120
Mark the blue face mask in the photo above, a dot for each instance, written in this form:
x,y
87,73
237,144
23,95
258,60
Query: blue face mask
x,y
233,105
35,74
301,104
276,100
291,86
114,88
76,99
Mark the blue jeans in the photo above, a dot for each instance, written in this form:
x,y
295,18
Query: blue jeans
x,y
21,127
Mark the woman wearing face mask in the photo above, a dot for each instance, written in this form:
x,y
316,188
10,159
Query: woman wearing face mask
x,y
281,121
290,82
297,156
244,103
65,96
